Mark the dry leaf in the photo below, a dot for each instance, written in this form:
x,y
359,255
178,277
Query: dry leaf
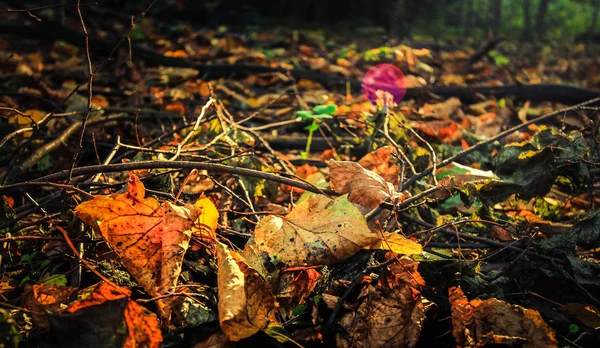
x,y
392,313
441,111
318,231
126,323
246,304
381,162
363,186
150,239
40,298
398,244
494,322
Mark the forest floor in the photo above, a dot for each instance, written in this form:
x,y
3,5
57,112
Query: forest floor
x,y
199,187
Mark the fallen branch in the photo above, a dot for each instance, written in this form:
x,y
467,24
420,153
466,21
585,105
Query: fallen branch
x,y
210,167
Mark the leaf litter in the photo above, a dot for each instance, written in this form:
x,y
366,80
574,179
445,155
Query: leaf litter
x,y
292,251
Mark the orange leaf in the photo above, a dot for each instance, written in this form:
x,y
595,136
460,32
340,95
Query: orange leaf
x,y
150,238
141,325
381,162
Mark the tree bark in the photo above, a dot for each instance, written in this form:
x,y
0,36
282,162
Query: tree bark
x,y
496,13
540,25
526,34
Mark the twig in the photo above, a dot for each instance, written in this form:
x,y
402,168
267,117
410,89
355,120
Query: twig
x,y
189,135
579,286
211,167
507,132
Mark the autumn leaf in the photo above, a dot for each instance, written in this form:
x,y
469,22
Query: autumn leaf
x,y
40,298
318,231
392,312
104,314
362,186
150,238
381,162
494,322
246,303
206,224
398,244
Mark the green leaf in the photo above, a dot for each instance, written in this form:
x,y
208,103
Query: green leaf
x,y
573,328
321,117
312,127
58,279
588,230
305,114
298,310
325,109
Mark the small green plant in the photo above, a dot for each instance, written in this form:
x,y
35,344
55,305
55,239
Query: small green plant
x,y
317,114
499,58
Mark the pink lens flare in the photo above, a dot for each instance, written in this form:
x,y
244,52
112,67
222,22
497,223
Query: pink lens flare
x,y
387,78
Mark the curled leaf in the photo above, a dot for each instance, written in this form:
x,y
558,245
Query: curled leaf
x,y
362,186
494,322
246,304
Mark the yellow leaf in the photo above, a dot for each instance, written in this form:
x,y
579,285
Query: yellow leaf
x,y
246,303
206,224
398,244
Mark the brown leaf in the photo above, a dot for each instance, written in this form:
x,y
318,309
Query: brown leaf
x,y
392,313
364,187
318,231
246,303
441,111
495,322
150,239
381,162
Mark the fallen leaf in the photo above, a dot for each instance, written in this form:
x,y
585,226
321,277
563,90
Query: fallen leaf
x,y
318,231
105,316
381,162
495,322
150,238
392,313
363,187
206,224
587,314
40,298
441,111
246,304
398,244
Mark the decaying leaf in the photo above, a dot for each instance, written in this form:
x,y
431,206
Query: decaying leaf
x,y
392,314
318,231
363,187
150,238
477,323
105,316
40,298
381,162
246,304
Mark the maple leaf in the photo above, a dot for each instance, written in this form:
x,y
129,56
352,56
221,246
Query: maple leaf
x,y
318,231
492,322
150,238
246,303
